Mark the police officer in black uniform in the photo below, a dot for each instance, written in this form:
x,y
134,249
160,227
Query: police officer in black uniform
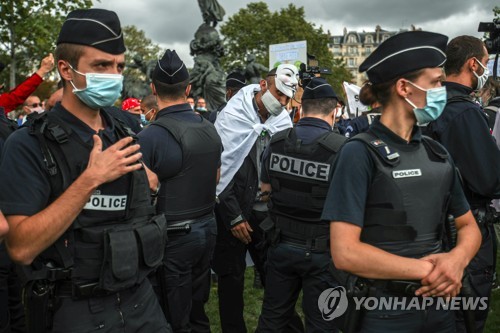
x,y
388,228
79,204
362,123
463,130
184,149
296,172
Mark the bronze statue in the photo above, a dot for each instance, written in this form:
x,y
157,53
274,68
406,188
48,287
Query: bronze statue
x,y
207,75
211,11
253,70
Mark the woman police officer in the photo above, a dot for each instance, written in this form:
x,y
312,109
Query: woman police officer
x,y
387,228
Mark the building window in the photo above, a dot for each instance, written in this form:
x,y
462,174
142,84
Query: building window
x,y
369,39
384,37
368,50
336,49
352,50
352,39
336,40
351,62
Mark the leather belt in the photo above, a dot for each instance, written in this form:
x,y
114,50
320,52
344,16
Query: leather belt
x,y
181,223
320,244
77,292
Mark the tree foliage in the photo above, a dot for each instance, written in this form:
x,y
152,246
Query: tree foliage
x,y
255,27
28,32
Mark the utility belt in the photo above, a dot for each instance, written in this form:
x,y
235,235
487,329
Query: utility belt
x,y
308,236
398,287
66,288
358,287
183,223
313,244
485,215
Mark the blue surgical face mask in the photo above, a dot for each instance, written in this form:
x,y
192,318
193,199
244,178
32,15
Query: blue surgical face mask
x,y
143,119
102,89
436,101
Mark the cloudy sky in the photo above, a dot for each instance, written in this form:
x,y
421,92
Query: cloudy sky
x,y
172,23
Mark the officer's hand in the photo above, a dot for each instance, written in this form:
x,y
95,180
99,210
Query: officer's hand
x,y
115,161
152,179
446,277
242,232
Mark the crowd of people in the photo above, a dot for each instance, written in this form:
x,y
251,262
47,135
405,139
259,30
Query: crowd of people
x,y
114,219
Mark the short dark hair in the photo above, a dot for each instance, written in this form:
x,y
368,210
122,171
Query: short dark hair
x,y
70,53
150,102
170,91
459,50
323,106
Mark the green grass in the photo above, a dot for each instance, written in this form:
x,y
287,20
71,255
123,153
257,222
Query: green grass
x,y
253,302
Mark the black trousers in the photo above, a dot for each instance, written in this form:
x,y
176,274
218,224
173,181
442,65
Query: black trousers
x,y
187,268
481,269
288,271
132,310
381,320
11,308
229,264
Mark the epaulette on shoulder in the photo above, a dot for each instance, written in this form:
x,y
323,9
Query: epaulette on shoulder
x,y
382,150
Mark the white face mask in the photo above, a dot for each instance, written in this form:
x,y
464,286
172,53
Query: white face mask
x,y
272,105
481,79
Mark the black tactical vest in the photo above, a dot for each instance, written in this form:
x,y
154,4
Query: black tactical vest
x,y
300,174
408,198
115,239
191,193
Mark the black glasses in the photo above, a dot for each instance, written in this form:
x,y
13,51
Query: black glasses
x,y
35,105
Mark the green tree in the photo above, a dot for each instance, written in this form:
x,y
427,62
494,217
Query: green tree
x,y
28,31
255,27
141,56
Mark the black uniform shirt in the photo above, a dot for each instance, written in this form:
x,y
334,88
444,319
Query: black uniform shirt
x,y
354,172
160,151
24,178
307,129
462,128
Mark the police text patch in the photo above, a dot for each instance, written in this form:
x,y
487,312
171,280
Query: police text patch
x,y
407,173
300,168
106,202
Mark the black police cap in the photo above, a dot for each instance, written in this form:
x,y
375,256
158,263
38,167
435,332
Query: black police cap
x,y
170,69
404,53
318,88
94,27
235,80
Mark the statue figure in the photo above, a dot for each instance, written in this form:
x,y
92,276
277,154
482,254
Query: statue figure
x,y
135,85
211,11
207,75
253,69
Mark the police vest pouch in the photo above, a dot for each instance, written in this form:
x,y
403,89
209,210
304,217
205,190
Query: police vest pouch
x,y
121,261
152,238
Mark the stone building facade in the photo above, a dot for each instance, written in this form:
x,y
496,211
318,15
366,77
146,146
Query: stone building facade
x,y
354,47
